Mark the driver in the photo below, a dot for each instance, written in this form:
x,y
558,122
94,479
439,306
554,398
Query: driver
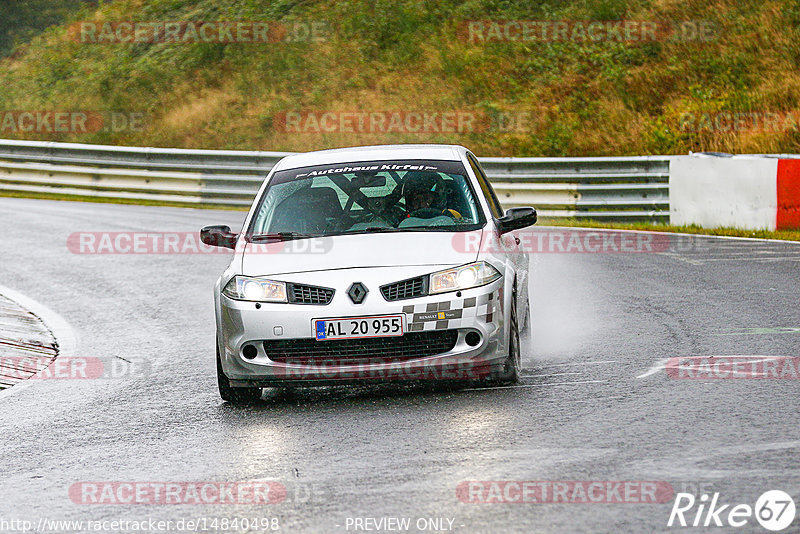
x,y
422,191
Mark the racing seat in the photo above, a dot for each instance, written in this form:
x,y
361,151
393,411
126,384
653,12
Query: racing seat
x,y
313,210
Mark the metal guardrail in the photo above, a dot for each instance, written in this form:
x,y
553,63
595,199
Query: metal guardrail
x,y
623,188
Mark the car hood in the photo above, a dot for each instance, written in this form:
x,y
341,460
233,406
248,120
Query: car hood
x,y
361,250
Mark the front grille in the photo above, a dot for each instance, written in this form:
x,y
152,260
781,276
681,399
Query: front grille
x,y
406,289
410,346
303,294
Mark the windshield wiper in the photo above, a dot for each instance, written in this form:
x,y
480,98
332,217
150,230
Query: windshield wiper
x,y
371,229
281,236
390,229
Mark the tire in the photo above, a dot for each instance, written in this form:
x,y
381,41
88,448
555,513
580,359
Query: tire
x,y
509,373
244,395
525,331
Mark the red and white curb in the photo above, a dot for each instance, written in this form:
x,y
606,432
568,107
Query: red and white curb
x,y
29,330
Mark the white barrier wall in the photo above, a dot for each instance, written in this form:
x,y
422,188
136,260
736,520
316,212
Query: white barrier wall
x,y
712,192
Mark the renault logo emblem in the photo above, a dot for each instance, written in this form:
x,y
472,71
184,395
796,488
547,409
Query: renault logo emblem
x,y
357,292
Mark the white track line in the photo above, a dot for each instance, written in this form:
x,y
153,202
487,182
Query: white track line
x,y
539,385
769,331
552,374
660,365
571,363
58,326
656,367
61,329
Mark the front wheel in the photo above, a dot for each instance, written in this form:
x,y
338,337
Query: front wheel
x,y
509,373
231,394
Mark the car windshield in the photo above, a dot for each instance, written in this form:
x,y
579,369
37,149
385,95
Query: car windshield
x,y
365,197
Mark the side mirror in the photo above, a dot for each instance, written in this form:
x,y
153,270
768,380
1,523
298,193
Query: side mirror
x,y
218,236
516,218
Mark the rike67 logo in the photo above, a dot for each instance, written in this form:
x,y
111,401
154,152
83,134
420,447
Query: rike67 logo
x,y
774,510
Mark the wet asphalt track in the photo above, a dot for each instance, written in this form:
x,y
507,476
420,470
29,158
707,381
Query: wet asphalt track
x,y
580,413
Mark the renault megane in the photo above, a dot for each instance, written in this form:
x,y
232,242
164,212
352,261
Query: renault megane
x,y
371,263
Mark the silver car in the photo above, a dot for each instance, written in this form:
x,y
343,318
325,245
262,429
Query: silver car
x,y
372,264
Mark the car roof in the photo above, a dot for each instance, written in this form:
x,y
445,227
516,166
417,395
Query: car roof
x,y
372,153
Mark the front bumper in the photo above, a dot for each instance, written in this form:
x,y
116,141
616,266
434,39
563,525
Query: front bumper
x,y
479,310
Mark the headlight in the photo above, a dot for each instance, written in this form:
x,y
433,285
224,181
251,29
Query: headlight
x,y
464,277
255,289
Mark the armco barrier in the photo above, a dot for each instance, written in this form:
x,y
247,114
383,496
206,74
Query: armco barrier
x,y
750,191
623,188
609,188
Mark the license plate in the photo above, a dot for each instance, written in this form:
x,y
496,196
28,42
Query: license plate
x,y
358,327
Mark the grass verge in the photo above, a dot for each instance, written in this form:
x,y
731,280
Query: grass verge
x,y
783,235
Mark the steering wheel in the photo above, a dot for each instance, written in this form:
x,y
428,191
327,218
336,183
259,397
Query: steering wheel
x,y
388,211
430,213
426,213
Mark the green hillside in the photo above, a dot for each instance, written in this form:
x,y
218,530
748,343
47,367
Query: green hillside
x,y
20,21
399,60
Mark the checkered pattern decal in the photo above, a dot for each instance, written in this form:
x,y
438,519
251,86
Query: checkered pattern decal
x,y
451,313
